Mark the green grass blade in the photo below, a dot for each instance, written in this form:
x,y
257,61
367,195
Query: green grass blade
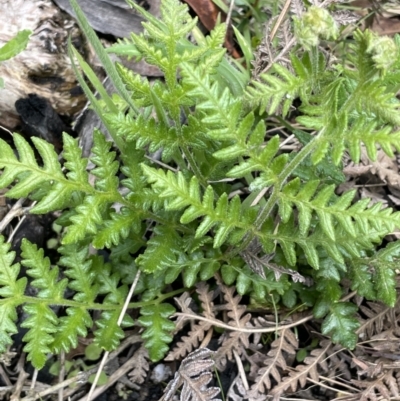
x,y
95,81
102,55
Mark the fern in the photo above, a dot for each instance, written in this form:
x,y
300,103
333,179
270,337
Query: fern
x,y
194,376
12,292
154,318
139,372
311,367
195,188
198,331
286,343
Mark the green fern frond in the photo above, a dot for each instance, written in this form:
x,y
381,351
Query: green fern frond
x,y
249,283
374,276
219,109
90,213
42,323
79,271
45,278
341,324
262,159
73,160
139,86
106,165
169,31
227,215
280,87
81,280
12,291
356,219
30,175
108,334
375,100
117,228
192,267
288,235
284,86
108,282
146,132
75,324
161,250
87,218
158,328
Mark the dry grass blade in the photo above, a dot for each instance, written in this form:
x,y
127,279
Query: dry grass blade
x,y
279,20
194,375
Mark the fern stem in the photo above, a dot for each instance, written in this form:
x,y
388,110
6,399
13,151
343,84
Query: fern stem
x,y
93,306
193,164
268,207
292,166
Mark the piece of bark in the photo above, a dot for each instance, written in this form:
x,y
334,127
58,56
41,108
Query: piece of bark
x,y
110,17
208,13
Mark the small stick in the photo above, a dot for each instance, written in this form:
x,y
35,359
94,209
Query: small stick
x,y
279,20
105,356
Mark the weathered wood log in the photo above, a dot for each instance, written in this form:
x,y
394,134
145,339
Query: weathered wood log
x,y
43,68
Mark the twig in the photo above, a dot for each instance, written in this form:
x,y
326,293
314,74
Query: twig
x,y
4,376
207,338
280,55
106,354
34,379
15,211
15,396
279,20
241,370
126,343
125,368
328,379
80,377
228,17
61,375
259,196
6,130
161,163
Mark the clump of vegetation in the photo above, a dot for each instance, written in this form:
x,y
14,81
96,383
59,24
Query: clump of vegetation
x,y
193,187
